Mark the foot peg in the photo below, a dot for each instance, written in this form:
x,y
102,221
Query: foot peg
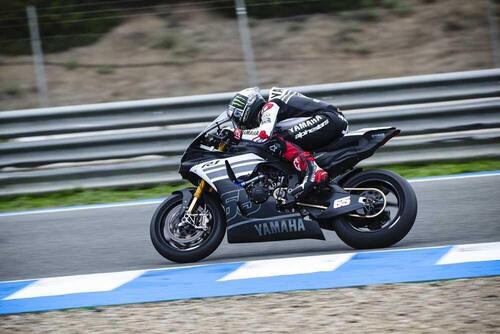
x,y
296,191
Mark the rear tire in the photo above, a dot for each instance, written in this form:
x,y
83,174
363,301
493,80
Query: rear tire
x,y
173,251
348,228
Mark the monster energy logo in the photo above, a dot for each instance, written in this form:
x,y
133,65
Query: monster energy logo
x,y
239,101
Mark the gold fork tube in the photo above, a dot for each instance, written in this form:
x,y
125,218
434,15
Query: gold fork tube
x,y
197,195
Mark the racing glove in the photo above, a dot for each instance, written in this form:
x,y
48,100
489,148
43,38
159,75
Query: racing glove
x,y
237,135
233,135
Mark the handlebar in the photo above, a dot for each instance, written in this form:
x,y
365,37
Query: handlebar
x,y
223,136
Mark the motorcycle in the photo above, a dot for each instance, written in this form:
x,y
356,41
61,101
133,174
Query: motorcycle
x,y
241,190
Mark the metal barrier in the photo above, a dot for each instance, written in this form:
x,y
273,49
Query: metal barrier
x,y
443,117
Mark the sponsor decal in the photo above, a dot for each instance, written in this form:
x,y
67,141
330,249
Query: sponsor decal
x,y
283,94
267,106
251,132
275,93
239,101
274,148
280,226
266,118
344,201
298,164
210,163
314,129
306,124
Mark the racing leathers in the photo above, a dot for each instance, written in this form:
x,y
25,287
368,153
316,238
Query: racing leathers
x,y
312,124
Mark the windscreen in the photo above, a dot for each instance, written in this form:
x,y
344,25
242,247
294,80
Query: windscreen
x,y
222,120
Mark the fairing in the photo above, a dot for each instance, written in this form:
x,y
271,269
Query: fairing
x,y
251,222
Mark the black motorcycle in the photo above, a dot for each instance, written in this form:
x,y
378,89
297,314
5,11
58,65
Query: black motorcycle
x,y
242,189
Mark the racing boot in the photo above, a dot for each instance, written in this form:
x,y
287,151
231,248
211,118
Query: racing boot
x,y
313,174
304,162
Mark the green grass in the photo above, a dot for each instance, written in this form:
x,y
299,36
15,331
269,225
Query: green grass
x,y
105,70
443,168
12,91
71,65
166,42
356,49
403,9
78,197
295,26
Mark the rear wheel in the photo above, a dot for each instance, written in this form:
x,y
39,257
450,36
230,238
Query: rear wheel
x,y
191,238
393,213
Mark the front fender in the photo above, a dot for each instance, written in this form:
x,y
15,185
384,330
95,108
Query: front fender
x,y
187,196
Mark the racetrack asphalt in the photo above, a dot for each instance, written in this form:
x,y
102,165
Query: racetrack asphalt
x,y
451,211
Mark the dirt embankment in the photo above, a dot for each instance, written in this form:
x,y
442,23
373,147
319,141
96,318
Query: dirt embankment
x,y
192,53
460,306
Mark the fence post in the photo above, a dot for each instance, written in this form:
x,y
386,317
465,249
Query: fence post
x,y
36,47
246,42
493,25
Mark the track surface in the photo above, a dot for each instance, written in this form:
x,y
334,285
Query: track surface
x,y
451,211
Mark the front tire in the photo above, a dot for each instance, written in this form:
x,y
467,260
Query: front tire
x,y
183,243
391,226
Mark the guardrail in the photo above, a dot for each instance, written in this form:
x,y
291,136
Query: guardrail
x,y
443,117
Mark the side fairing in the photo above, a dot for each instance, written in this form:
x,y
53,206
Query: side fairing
x,y
248,221
215,170
251,222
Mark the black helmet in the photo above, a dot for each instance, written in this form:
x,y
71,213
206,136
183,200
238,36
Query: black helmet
x,y
244,108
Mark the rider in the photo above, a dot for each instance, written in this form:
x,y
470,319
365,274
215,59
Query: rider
x,y
320,123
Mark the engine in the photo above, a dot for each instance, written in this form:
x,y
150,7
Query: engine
x,y
268,180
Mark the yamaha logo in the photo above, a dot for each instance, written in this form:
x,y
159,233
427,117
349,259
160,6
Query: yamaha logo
x,y
306,124
280,226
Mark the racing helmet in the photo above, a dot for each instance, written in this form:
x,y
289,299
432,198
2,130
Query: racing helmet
x,y
244,108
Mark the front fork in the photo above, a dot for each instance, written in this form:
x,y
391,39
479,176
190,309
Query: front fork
x,y
201,187
196,196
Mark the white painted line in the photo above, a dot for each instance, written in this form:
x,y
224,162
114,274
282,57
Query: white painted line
x,y
328,262
393,249
118,272
454,177
57,286
472,253
83,207
288,266
158,201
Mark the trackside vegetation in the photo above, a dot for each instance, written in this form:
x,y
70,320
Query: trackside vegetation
x,y
95,196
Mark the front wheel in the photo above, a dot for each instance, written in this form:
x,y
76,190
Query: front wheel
x,y
187,240
392,221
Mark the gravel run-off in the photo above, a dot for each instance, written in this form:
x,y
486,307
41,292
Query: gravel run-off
x,y
457,306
